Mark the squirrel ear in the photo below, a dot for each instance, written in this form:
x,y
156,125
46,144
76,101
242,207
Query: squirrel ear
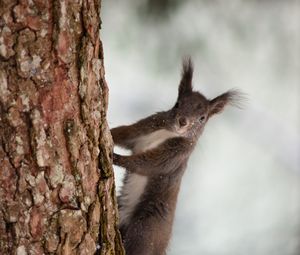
x,y
217,104
185,85
231,97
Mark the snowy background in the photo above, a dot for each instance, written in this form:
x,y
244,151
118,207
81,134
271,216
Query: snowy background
x,y
241,192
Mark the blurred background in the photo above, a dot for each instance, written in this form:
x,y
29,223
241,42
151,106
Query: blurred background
x,y
241,191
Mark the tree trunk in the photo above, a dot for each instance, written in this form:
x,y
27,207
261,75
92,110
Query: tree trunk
x,y
57,193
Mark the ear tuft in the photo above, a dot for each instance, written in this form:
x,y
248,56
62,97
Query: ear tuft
x,y
237,98
232,97
185,85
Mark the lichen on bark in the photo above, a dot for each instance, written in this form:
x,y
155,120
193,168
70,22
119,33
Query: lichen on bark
x,y
57,193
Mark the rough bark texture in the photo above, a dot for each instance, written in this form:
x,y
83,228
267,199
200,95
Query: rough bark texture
x,y
57,191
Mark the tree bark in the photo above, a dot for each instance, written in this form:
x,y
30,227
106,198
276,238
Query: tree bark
x,y
57,193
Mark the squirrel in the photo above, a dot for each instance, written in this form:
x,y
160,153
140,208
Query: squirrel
x,y
161,145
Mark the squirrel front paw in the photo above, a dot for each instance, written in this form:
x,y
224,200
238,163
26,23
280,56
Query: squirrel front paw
x,y
117,159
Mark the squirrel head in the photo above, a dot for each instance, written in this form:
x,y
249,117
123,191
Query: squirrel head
x,y
192,109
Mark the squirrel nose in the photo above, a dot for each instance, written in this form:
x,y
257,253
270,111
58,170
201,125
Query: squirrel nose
x,y
182,121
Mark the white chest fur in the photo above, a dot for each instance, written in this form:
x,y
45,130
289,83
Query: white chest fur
x,y
135,185
152,140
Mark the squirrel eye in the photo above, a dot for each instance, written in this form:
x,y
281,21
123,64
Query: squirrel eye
x,y
202,118
182,121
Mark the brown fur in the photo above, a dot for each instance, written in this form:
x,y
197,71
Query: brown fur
x,y
148,230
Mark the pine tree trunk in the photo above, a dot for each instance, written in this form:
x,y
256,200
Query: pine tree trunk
x,y
57,193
